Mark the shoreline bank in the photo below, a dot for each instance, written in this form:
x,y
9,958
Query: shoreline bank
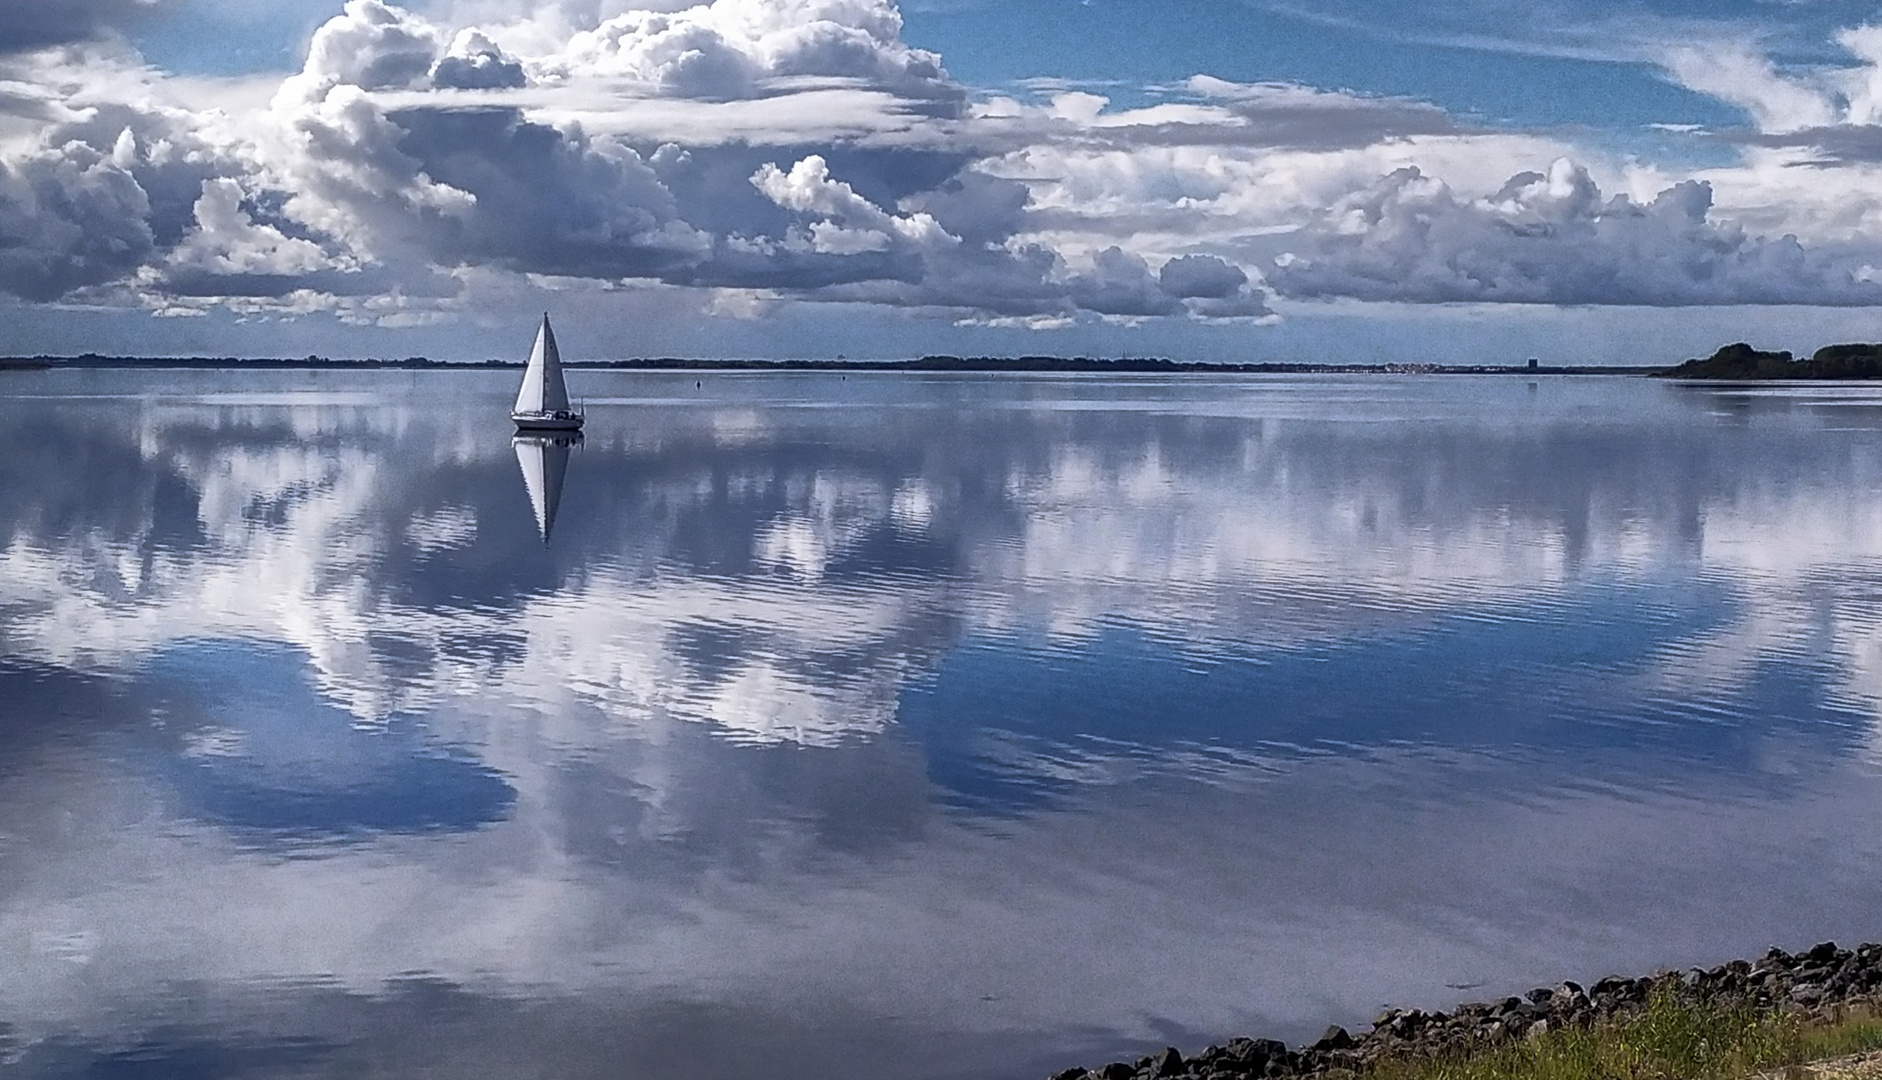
x,y
1818,988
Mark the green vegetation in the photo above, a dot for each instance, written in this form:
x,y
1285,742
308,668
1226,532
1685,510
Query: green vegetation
x,y
1670,1039
1741,361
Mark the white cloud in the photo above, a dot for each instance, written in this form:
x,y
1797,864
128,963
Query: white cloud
x,y
1552,239
805,152
371,45
475,62
70,217
227,241
729,49
1738,76
403,150
808,188
1835,112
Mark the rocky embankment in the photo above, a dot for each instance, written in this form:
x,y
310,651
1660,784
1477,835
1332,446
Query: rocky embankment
x,y
1812,983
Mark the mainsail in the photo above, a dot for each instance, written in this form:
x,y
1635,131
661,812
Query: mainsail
x,y
543,389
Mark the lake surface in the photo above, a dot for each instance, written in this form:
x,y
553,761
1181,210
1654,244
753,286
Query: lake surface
x,y
891,725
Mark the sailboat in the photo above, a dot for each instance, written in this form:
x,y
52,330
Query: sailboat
x,y
542,404
544,460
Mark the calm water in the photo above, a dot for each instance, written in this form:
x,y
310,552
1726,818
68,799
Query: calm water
x,y
900,726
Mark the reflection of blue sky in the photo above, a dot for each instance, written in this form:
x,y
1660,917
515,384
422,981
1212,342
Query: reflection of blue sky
x,y
262,752
1009,722
180,1055
1489,681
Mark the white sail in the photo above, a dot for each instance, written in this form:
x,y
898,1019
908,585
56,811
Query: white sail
x,y
545,464
543,390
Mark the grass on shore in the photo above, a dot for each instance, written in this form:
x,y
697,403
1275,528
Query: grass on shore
x,y
1669,1040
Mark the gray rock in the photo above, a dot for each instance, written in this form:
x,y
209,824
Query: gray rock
x,y
1167,1063
1334,1038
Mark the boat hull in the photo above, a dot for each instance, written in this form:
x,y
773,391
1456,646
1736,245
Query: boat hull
x,y
547,421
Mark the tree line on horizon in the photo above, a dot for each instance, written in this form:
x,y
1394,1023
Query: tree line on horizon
x,y
1740,361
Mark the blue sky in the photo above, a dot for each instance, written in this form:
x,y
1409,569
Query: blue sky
x,y
1135,43
1220,179
1447,53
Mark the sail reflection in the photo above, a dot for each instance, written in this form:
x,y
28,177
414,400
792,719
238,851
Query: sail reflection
x,y
544,460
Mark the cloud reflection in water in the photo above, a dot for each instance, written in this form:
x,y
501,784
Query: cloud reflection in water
x,y
842,722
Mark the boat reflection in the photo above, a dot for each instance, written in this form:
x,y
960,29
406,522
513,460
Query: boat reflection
x,y
544,460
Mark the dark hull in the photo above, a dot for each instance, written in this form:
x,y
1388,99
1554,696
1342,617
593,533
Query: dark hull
x,y
545,422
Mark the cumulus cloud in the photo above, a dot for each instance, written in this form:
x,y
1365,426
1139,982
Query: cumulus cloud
x,y
801,151
984,269
1189,177
540,200
1553,239
373,46
450,186
369,158
1203,277
234,250
729,49
1212,288
358,178
848,223
1120,283
228,240
70,217
474,62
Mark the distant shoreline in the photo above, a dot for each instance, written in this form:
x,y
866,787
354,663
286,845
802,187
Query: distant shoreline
x,y
1734,363
927,364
